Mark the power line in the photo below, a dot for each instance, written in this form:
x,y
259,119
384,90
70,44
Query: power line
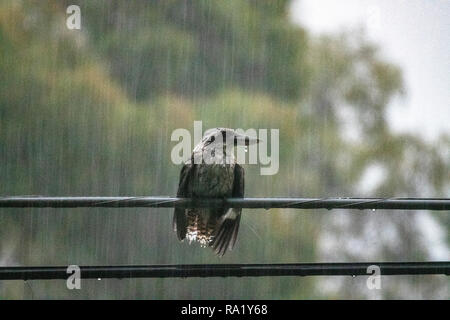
x,y
227,270
167,202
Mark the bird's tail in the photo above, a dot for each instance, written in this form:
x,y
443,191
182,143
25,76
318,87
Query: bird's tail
x,y
214,229
200,226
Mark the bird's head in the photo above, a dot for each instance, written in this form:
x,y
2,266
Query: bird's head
x,y
224,138
227,137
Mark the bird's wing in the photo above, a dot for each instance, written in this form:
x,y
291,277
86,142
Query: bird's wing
x,y
228,228
179,216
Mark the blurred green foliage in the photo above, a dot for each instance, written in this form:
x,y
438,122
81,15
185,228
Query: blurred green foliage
x,y
91,112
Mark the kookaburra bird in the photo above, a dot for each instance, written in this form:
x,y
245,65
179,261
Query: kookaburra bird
x,y
212,172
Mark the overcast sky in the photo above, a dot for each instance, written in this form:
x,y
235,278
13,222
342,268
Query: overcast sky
x,y
414,34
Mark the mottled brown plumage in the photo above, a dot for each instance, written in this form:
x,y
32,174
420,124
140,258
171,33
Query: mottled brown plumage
x,y
211,172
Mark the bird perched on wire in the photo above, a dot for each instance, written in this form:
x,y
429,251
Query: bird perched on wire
x,y
212,172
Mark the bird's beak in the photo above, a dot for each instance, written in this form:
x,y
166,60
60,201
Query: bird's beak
x,y
243,140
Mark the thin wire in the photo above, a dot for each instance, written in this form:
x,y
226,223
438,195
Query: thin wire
x,y
250,203
229,270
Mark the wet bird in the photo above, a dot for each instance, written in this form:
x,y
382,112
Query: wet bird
x,y
212,172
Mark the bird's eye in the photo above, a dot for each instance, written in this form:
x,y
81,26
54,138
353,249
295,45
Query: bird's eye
x,y
210,140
